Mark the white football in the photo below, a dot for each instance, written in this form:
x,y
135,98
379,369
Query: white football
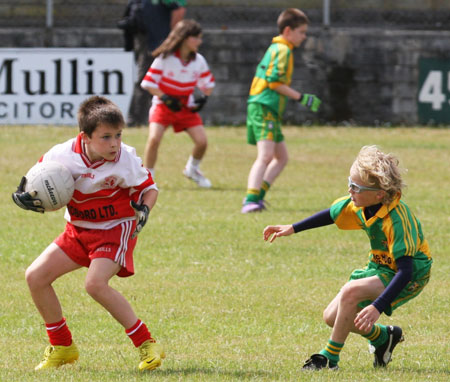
x,y
53,182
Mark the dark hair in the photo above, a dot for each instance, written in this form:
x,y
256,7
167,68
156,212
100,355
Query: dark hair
x,y
96,110
292,18
182,30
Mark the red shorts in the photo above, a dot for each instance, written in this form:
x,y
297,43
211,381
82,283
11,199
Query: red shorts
x,y
83,245
180,120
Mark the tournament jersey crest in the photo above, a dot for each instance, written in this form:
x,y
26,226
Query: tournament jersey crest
x,y
110,182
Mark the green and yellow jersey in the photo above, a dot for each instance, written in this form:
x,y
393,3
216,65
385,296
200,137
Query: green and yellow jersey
x,y
275,68
393,232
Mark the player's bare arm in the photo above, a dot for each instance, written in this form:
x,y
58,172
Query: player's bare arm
x,y
286,90
155,91
309,100
149,198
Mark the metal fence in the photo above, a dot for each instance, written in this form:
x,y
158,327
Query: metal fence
x,y
410,14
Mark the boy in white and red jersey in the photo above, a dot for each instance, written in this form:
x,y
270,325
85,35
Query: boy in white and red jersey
x,y
113,196
175,73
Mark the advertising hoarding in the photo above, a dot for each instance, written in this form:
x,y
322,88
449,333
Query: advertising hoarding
x,y
46,85
433,102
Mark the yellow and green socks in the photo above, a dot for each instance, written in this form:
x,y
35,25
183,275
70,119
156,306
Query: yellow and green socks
x,y
264,188
252,195
377,336
332,351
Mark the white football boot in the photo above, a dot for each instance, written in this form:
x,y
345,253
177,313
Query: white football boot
x,y
196,175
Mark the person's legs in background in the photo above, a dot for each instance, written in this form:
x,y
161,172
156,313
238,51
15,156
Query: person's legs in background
x,y
141,99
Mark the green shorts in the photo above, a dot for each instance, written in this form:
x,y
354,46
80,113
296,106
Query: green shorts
x,y
262,124
412,289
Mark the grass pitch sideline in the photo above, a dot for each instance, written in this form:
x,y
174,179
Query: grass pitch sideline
x,y
226,305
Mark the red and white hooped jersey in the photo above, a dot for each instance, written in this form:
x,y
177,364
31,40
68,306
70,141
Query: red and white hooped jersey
x,y
103,189
175,77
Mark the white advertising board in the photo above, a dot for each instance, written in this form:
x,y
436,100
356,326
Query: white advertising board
x,y
46,85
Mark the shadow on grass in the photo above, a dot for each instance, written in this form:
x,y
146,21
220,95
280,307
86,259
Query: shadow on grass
x,y
180,373
426,371
392,370
190,371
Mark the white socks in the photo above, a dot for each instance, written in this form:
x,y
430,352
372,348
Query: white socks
x,y
192,162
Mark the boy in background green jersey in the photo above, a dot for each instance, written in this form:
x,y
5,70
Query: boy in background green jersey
x,y
266,104
399,259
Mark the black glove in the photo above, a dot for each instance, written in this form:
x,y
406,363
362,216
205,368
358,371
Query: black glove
x,y
172,103
200,101
27,200
142,212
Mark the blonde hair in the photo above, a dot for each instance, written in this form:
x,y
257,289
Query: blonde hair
x,y
380,170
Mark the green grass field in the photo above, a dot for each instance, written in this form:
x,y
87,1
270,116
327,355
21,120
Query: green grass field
x,y
227,305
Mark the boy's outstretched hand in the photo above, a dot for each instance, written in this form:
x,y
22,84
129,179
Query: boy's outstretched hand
x,y
142,212
276,231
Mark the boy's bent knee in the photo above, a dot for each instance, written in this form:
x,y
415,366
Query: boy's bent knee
x,y
328,318
95,287
350,294
34,278
29,276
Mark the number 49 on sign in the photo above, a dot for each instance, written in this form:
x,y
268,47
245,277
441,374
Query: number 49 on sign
x,y
434,91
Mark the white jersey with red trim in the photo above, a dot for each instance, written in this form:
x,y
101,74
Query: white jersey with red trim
x,y
103,189
177,78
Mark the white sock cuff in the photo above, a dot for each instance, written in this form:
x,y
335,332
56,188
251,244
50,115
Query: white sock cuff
x,y
193,162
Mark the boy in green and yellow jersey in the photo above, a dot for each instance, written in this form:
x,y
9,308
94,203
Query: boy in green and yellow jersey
x,y
399,259
266,104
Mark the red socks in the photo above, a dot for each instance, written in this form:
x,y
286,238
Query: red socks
x,y
139,333
59,334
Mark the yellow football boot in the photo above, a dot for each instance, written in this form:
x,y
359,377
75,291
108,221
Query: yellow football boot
x,y
151,355
55,356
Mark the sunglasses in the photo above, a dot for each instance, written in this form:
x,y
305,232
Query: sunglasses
x,y
358,189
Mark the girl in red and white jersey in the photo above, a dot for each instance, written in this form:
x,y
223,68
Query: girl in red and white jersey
x,y
176,72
